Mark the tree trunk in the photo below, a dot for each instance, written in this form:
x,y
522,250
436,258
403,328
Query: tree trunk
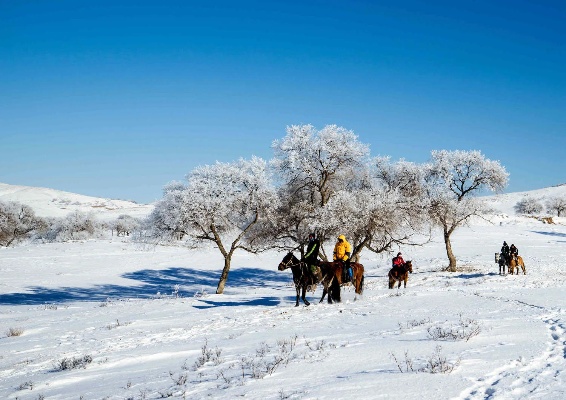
x,y
224,276
451,258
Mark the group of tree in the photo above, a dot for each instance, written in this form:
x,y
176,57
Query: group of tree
x,y
324,181
18,223
532,206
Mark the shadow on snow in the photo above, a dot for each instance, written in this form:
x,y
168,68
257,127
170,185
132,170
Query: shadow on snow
x,y
152,283
550,233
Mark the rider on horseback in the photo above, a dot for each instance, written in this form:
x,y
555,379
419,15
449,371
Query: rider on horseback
x,y
513,251
311,256
398,261
342,252
505,252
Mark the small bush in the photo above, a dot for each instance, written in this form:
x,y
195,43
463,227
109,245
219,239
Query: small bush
x,y
14,332
413,323
465,329
438,363
73,363
434,364
26,385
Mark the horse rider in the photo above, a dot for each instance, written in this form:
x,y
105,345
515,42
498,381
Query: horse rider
x,y
505,251
513,251
398,261
342,252
311,256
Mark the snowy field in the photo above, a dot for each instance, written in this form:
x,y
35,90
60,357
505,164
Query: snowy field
x,y
107,319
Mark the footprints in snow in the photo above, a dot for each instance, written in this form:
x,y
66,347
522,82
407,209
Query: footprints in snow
x,y
521,379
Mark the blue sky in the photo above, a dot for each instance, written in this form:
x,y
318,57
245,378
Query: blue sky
x,y
116,98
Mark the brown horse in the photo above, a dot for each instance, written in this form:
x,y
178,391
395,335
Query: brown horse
x,y
400,274
303,278
334,279
514,263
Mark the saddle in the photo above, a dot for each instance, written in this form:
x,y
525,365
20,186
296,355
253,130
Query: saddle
x,y
345,268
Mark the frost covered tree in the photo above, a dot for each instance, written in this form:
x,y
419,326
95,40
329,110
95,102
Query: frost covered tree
x,y
17,222
528,205
76,225
452,179
125,224
219,204
312,166
385,210
556,205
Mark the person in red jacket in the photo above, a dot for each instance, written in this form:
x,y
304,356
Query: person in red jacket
x,y
398,261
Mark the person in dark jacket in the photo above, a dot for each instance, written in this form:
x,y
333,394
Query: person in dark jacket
x,y
505,251
513,251
311,256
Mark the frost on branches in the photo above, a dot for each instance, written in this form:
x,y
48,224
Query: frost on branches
x,y
312,167
528,205
220,203
326,183
452,178
17,222
556,205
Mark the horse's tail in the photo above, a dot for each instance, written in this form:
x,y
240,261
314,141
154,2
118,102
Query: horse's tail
x,y
362,285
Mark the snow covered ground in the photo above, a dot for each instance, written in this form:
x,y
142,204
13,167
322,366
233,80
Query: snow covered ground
x,y
107,319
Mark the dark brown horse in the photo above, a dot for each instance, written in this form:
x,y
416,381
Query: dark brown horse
x,y
400,274
303,278
334,278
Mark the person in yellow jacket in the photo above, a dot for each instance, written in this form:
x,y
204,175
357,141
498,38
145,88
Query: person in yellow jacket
x,y
342,252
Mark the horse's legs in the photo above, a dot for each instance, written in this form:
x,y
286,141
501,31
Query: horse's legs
x,y
334,290
298,289
330,290
303,295
361,287
324,291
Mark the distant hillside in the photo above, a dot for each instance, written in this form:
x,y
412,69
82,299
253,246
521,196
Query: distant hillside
x,y
505,203
56,203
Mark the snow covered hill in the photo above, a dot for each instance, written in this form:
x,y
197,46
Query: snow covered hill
x,y
56,203
505,203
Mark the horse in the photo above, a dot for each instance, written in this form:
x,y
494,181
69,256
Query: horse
x,y
515,262
400,274
334,279
503,262
303,278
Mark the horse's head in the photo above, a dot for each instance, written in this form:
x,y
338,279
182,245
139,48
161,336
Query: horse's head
x,y
409,266
288,261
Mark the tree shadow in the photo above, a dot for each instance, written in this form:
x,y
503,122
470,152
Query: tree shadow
x,y
550,233
261,301
155,283
471,276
